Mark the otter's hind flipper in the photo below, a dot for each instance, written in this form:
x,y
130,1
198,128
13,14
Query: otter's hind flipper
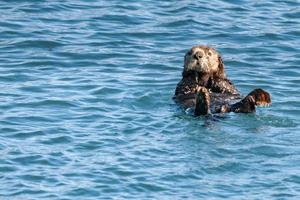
x,y
257,97
202,102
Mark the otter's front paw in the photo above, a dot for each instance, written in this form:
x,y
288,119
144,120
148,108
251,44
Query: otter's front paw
x,y
202,101
261,97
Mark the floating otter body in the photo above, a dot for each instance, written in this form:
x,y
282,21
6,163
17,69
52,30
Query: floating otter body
x,y
205,87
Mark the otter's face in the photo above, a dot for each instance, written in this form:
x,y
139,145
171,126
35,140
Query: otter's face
x,y
202,59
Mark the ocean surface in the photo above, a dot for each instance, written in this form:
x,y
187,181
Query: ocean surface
x,y
86,109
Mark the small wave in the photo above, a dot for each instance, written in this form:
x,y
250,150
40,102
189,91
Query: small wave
x,y
36,44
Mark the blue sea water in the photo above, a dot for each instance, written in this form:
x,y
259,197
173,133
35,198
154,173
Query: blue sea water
x,y
86,108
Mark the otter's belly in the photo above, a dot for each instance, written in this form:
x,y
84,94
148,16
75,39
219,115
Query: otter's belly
x,y
217,100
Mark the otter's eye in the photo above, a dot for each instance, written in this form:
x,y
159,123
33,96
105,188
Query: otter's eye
x,y
209,53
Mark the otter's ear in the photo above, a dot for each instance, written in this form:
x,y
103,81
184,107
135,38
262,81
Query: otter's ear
x,y
221,72
185,72
189,53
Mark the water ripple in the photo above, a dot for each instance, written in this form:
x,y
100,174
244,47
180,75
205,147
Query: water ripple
x,y
86,101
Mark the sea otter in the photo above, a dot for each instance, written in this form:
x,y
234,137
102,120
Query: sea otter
x,y
205,87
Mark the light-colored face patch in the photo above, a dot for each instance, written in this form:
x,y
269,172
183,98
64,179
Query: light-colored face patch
x,y
201,59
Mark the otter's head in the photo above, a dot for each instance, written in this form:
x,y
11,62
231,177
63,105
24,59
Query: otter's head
x,y
203,59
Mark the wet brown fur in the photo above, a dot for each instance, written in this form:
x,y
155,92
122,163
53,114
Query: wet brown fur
x,y
204,85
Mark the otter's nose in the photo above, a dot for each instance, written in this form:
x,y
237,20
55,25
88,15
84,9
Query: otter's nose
x,y
198,55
